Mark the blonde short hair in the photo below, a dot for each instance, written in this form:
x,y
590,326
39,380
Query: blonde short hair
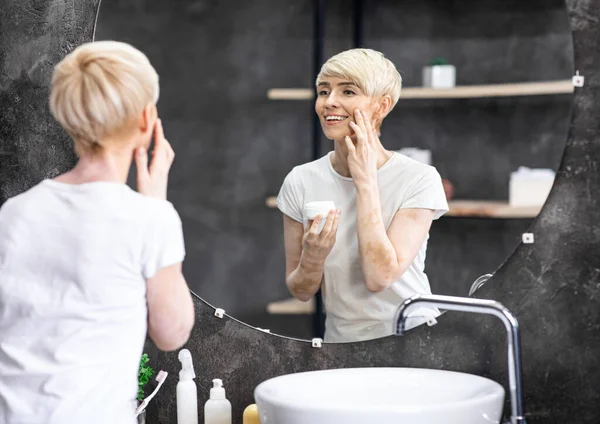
x,y
99,89
370,70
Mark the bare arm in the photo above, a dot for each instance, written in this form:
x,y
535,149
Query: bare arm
x,y
305,254
385,256
170,305
170,308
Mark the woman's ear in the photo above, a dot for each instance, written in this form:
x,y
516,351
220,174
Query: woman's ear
x,y
385,105
148,119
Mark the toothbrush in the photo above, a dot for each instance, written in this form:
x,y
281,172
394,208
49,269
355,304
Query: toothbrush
x,y
160,377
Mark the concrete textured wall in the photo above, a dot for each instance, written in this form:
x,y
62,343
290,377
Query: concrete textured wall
x,y
34,36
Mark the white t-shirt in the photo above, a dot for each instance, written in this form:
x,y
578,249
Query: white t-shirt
x,y
73,314
353,312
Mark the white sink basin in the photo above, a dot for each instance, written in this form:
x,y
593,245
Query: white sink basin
x,y
379,396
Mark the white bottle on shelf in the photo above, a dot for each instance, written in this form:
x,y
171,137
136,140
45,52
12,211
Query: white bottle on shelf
x,y
187,394
217,409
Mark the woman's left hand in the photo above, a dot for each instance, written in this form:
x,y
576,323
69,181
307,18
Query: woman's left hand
x,y
362,158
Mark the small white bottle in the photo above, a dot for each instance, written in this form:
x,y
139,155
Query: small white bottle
x,y
187,397
217,409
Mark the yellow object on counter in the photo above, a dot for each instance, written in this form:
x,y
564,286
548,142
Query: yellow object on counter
x,y
251,415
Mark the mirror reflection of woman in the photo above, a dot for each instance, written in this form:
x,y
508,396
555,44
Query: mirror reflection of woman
x,y
369,256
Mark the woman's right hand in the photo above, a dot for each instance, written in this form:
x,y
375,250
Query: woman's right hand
x,y
317,246
152,181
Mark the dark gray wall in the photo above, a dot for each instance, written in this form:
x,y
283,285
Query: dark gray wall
x,y
234,147
477,143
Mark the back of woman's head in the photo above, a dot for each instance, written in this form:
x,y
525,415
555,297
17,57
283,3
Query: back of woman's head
x,y
100,90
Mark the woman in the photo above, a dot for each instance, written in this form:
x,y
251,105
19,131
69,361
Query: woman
x,y
87,265
370,255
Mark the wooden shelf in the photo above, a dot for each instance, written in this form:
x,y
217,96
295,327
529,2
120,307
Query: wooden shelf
x,y
291,306
473,209
290,94
490,209
460,92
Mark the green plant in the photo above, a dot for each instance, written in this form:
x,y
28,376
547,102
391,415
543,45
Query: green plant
x,y
145,373
439,61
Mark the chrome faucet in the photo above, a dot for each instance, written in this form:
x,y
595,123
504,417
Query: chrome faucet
x,y
479,282
479,306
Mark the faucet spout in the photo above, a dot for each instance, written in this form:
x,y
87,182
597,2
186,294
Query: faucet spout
x,y
479,306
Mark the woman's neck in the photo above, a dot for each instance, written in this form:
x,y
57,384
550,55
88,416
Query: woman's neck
x,y
106,166
339,161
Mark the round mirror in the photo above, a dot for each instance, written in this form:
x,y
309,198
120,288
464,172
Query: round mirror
x,y
486,100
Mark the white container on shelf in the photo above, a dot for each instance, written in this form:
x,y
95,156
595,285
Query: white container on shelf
x,y
439,76
530,187
420,155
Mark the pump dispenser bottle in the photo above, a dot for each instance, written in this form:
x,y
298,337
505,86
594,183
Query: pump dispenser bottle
x,y
187,398
217,409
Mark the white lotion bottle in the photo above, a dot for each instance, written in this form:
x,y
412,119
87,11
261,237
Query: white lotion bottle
x,y
217,409
187,394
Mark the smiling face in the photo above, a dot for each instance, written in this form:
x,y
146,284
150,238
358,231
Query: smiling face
x,y
337,99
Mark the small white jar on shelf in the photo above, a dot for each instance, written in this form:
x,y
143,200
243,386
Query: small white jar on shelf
x,y
439,75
